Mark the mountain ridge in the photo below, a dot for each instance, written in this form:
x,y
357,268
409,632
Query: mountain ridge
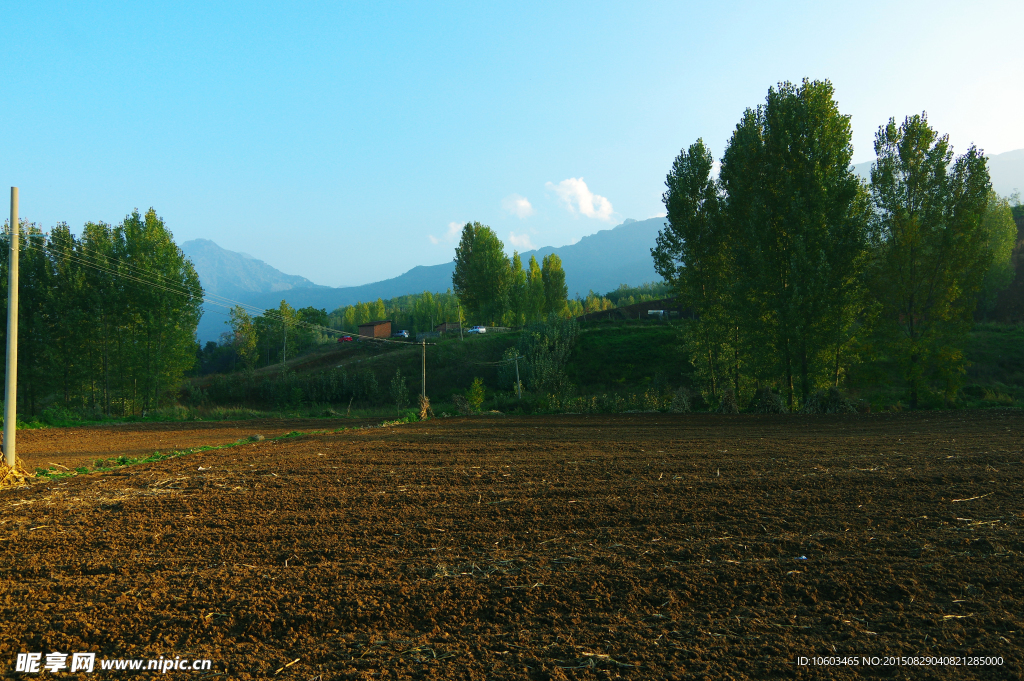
x,y
598,262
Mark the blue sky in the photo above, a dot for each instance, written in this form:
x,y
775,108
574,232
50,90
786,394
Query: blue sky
x,y
340,141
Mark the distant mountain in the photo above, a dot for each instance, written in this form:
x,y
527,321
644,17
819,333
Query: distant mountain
x,y
226,272
602,261
1006,171
236,276
599,262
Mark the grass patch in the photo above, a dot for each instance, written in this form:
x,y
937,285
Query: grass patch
x,y
119,462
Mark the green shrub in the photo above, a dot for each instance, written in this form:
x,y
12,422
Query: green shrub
x,y
831,401
728,403
767,401
475,396
57,415
680,402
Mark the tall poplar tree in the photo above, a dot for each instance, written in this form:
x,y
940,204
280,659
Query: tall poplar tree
x,y
797,215
930,249
519,293
556,293
535,293
693,254
483,273
244,336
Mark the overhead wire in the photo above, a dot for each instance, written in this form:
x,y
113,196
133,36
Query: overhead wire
x,y
90,254
109,264
178,289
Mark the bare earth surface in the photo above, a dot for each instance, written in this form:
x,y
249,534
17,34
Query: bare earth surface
x,y
74,447
644,546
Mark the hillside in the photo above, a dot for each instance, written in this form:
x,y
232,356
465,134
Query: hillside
x,y
599,262
610,358
236,276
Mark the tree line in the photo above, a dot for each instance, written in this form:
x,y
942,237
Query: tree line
x,y
496,290
415,312
798,270
106,320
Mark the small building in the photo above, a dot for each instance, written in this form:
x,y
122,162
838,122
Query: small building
x,y
380,329
448,327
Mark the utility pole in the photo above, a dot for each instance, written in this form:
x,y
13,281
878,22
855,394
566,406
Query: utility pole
x,y
11,391
424,392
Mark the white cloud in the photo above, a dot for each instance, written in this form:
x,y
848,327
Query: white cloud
x,y
517,205
521,242
577,197
454,228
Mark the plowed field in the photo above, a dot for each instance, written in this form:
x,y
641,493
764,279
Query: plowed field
x,y
74,447
644,546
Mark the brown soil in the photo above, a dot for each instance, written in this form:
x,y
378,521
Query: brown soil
x,y
637,547
74,447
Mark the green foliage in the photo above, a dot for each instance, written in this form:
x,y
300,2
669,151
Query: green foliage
x,y
415,313
767,401
399,391
694,256
797,217
535,292
931,251
799,273
507,371
107,320
830,401
769,258
613,358
555,290
483,274
546,348
680,402
628,295
244,336
1001,232
727,404
496,290
519,294
475,395
591,304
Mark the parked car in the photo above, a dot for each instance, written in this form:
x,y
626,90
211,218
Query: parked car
x,y
478,329
400,334
344,339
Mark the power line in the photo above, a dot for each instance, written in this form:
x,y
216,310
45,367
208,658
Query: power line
x,y
76,252
185,292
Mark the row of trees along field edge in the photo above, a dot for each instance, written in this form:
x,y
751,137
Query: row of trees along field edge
x,y
107,320
799,271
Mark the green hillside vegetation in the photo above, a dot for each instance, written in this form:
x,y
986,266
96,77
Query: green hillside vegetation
x,y
621,366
